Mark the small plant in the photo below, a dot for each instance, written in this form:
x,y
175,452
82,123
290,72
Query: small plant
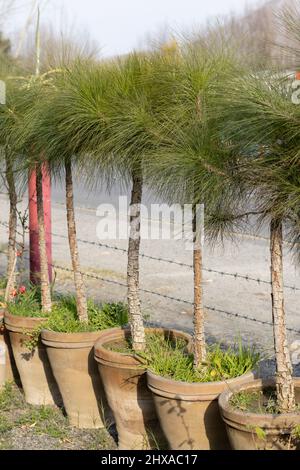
x,y
170,358
5,425
10,398
261,402
26,303
261,434
64,319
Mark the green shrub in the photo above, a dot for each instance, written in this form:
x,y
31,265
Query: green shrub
x,y
63,318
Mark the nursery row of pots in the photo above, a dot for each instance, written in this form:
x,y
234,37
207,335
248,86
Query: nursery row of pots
x,y
99,385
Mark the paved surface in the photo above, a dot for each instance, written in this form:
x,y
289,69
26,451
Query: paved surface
x,y
243,255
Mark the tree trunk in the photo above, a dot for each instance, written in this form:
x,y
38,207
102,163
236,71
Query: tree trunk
x,y
44,273
81,299
284,377
199,333
11,257
134,304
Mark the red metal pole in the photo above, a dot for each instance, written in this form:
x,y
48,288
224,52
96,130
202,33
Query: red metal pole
x,y
33,224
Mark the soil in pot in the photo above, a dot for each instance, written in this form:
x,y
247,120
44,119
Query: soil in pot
x,y
186,400
69,345
124,378
253,421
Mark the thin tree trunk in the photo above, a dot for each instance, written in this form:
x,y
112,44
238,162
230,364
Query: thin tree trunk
x,y
199,333
44,273
11,257
284,377
134,304
81,299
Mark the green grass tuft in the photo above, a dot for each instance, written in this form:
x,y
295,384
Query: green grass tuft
x,y
63,318
171,360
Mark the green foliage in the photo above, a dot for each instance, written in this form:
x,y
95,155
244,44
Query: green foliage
x,y
261,402
27,304
10,398
5,425
296,432
63,318
3,282
261,434
171,359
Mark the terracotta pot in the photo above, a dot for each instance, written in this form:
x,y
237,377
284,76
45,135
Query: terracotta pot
x,y
189,413
124,380
72,361
11,371
35,372
242,426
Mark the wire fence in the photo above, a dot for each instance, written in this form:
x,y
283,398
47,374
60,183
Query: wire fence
x,y
226,313
167,297
235,276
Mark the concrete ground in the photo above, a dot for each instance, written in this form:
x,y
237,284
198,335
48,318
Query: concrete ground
x,y
245,255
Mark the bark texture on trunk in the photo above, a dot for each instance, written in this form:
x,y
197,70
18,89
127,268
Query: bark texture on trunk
x,y
44,274
81,299
284,376
199,331
12,230
134,304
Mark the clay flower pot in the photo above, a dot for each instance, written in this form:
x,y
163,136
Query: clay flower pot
x,y
34,369
276,431
11,371
189,413
72,361
125,383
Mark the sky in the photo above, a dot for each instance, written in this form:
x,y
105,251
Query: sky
x,y
118,26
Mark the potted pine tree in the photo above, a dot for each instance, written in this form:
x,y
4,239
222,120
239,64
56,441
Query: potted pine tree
x,y
72,325
35,373
262,125
192,164
112,104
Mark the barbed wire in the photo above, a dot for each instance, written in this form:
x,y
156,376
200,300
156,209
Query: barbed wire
x,y
235,276
167,297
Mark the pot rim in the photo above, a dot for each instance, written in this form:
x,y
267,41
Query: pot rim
x,y
60,340
188,391
18,324
237,415
165,380
103,355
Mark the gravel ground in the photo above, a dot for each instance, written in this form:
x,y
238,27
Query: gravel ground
x,y
25,427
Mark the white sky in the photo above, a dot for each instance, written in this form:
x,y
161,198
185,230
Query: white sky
x,y
120,25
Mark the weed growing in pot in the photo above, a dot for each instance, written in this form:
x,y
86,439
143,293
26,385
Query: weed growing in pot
x,y
261,402
170,359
